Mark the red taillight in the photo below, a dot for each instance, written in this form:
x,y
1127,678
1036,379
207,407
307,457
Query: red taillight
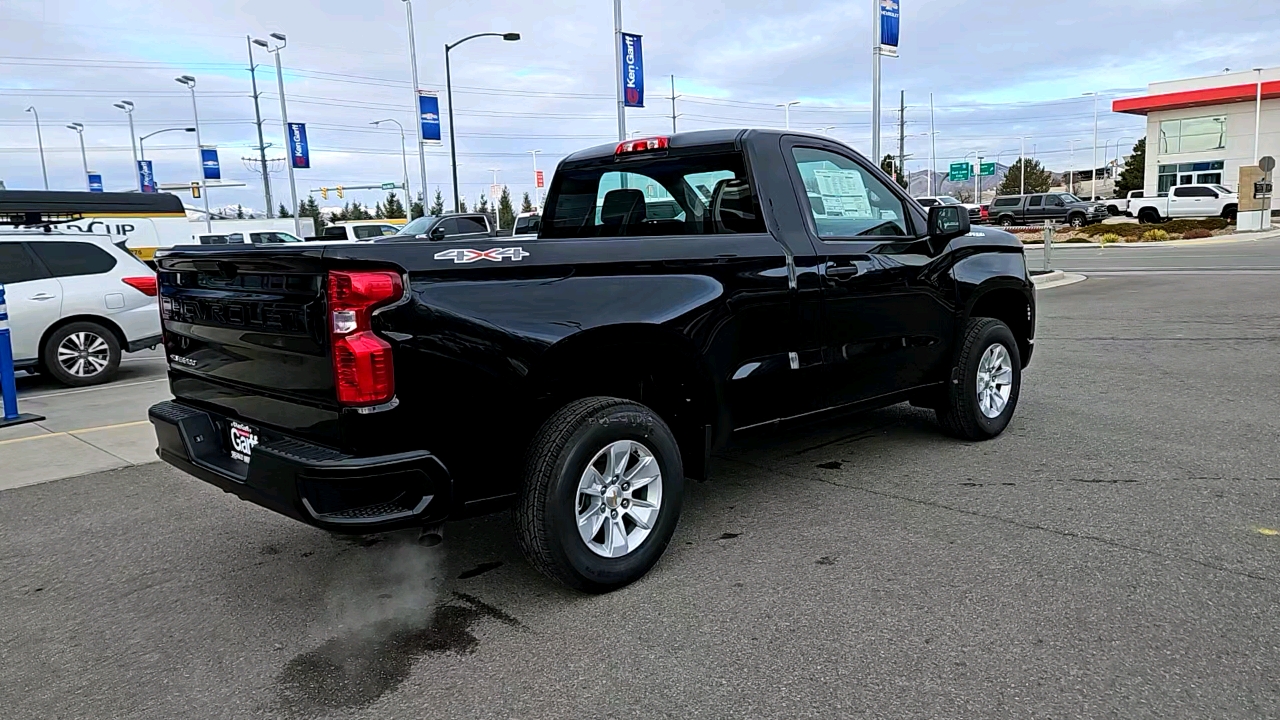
x,y
145,285
641,145
362,367
984,213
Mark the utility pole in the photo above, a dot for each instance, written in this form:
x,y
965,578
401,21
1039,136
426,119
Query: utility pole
x,y
933,147
617,59
977,178
417,111
902,138
673,104
262,145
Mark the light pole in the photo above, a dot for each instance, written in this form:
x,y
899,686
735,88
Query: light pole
x,y
977,183
1093,170
1118,140
493,198
40,144
825,128
1257,115
975,173
284,122
537,194
79,128
190,83
933,146
262,143
1022,164
617,62
142,150
127,107
786,107
448,84
417,112
1071,168
404,159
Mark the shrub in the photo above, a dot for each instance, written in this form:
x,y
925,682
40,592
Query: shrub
x,y
1195,233
1124,230
1107,238
1182,226
1154,236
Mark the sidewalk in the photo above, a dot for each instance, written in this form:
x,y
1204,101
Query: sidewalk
x,y
1217,240
86,429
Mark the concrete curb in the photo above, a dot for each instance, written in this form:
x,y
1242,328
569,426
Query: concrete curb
x,y
1219,240
1055,279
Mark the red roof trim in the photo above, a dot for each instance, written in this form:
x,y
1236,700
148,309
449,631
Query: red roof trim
x,y
1196,98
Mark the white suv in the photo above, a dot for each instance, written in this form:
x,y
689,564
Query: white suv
x,y
76,302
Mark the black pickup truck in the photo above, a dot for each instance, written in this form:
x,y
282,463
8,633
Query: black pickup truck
x,y
1034,209
580,376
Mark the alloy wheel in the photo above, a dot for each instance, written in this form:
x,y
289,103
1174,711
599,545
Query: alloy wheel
x,y
84,354
619,498
995,380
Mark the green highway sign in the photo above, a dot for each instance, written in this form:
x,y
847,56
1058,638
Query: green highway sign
x,y
960,172
393,186
987,169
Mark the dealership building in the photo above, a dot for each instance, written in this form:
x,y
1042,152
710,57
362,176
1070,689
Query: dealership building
x,y
1201,130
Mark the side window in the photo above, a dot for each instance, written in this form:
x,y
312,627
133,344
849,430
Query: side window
x,y
449,225
68,259
364,232
469,225
1192,191
1035,201
927,202
17,265
846,201
1056,201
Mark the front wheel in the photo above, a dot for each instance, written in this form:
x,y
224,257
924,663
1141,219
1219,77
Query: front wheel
x,y
82,353
1076,221
984,392
602,493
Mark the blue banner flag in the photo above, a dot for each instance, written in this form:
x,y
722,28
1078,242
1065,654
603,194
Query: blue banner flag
x,y
429,117
95,182
146,177
209,159
632,71
889,24
299,153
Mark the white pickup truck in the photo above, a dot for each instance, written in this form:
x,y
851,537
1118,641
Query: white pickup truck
x,y
1120,206
1186,201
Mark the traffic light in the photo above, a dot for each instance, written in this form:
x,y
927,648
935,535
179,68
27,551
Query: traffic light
x,y
324,193
195,190
339,191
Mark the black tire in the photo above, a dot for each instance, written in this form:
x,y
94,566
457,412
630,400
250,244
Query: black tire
x,y
960,415
1148,216
1006,220
1229,214
545,515
1076,220
88,336
1113,211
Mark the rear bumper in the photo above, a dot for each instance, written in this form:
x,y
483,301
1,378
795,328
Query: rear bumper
x,y
309,483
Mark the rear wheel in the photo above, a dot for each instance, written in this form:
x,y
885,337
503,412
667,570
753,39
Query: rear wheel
x,y
1006,220
984,392
602,493
1229,213
82,353
1148,215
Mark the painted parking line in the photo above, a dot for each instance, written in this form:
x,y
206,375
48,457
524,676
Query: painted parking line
x,y
95,388
75,432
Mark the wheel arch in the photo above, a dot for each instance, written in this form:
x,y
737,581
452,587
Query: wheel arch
x,y
1009,303
647,363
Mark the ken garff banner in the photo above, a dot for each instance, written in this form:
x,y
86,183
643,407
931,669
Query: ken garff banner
x,y
209,160
889,26
299,153
429,117
632,71
146,177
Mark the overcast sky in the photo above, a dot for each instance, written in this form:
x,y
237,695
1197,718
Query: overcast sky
x,y
997,69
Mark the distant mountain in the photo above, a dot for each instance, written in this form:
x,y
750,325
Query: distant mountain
x,y
918,183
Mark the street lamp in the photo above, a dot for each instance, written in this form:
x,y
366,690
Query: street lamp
x,y
404,159
1257,115
497,219
1118,141
142,150
448,83
825,128
537,196
127,107
417,111
1022,163
190,83
284,122
40,143
786,107
1093,170
1071,168
79,128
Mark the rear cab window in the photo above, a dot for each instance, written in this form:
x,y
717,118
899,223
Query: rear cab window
x,y
696,194
1006,202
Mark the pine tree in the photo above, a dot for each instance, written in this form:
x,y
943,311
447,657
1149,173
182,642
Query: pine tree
x,y
239,212
392,207
437,205
526,205
415,208
377,212
1038,179
309,208
506,213
284,212
462,204
355,211
1133,177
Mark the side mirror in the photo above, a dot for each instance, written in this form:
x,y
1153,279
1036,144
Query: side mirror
x,y
437,233
947,222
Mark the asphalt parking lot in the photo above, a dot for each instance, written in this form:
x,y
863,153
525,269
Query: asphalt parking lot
x,y
1116,553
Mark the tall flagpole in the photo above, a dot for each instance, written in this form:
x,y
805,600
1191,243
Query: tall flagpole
x,y
875,81
617,59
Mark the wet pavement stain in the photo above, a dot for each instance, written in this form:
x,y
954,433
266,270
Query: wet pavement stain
x,y
832,465
825,560
355,670
728,536
480,569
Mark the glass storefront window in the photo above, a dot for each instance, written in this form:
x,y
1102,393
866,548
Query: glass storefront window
x,y
1193,135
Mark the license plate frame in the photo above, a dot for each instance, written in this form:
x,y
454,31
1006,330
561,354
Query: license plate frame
x,y
241,439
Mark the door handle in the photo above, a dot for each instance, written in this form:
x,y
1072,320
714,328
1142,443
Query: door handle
x,y
42,296
842,271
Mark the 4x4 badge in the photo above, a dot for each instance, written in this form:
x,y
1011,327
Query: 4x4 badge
x,y
468,255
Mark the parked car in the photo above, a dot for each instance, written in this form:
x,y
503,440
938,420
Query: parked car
x,y
527,224
269,237
1187,201
1120,206
357,230
974,209
1034,209
449,226
580,379
76,303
